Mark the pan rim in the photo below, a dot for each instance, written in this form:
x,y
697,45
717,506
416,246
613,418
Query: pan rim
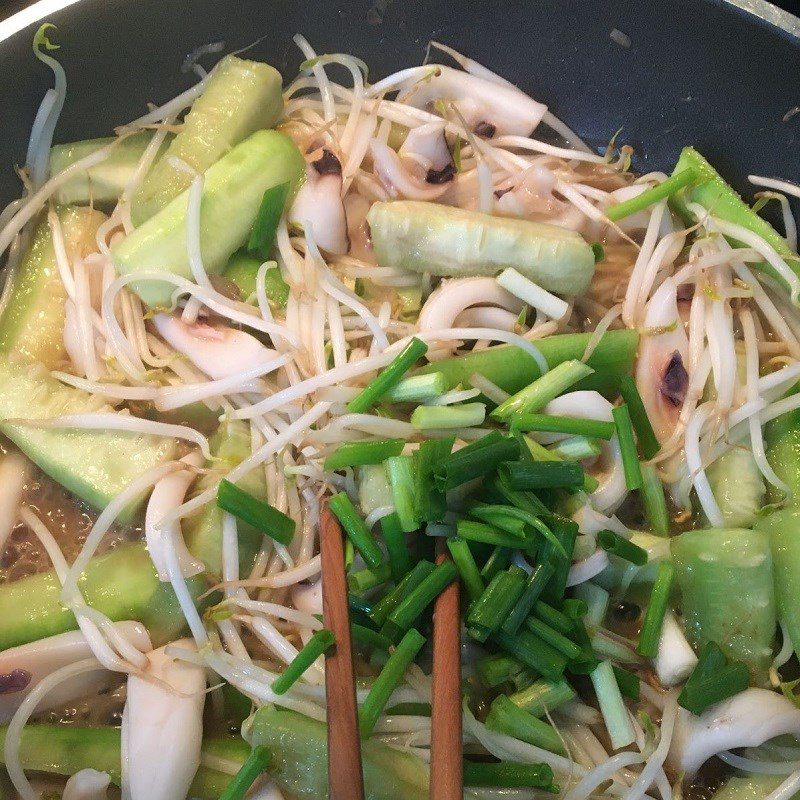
x,y
762,10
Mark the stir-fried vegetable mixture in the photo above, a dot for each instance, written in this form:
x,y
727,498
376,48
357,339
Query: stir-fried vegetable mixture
x,y
500,361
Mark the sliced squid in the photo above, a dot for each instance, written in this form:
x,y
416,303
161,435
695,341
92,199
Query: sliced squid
x,y
489,108
217,350
319,203
747,719
168,494
403,178
661,375
427,144
307,597
356,208
455,295
530,195
608,468
23,667
162,728
88,784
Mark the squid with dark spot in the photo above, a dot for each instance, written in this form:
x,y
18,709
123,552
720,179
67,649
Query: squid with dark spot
x,y
319,204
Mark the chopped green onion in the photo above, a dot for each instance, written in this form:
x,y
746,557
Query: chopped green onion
x,y
622,548
478,459
574,609
576,448
656,609
536,582
543,697
612,706
553,617
262,235
548,423
389,377
533,652
411,709
509,774
480,532
627,446
497,669
513,520
255,764
394,538
363,580
416,601
651,196
349,554
489,611
467,568
654,501
441,417
399,471
713,679
389,602
641,422
699,694
506,717
553,638
629,684
598,251
256,513
356,529
359,609
539,393
430,503
388,679
356,454
566,532
499,559
316,646
369,638
544,474
418,388
540,453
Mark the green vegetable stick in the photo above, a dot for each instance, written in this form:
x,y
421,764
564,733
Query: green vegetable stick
x,y
512,368
240,98
718,198
299,746
67,749
725,579
233,188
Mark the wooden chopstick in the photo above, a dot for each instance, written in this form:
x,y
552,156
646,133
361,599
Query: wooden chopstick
x,y
345,776
447,769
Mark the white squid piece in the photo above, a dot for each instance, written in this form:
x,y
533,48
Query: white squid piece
x,y
167,495
88,784
23,667
162,728
454,296
427,144
608,468
661,376
217,350
530,195
15,471
319,203
489,108
403,177
747,719
307,597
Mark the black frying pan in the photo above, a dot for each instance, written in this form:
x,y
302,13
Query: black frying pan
x,y
719,74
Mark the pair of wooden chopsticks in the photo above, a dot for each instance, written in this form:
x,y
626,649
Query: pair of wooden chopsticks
x,y
345,776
